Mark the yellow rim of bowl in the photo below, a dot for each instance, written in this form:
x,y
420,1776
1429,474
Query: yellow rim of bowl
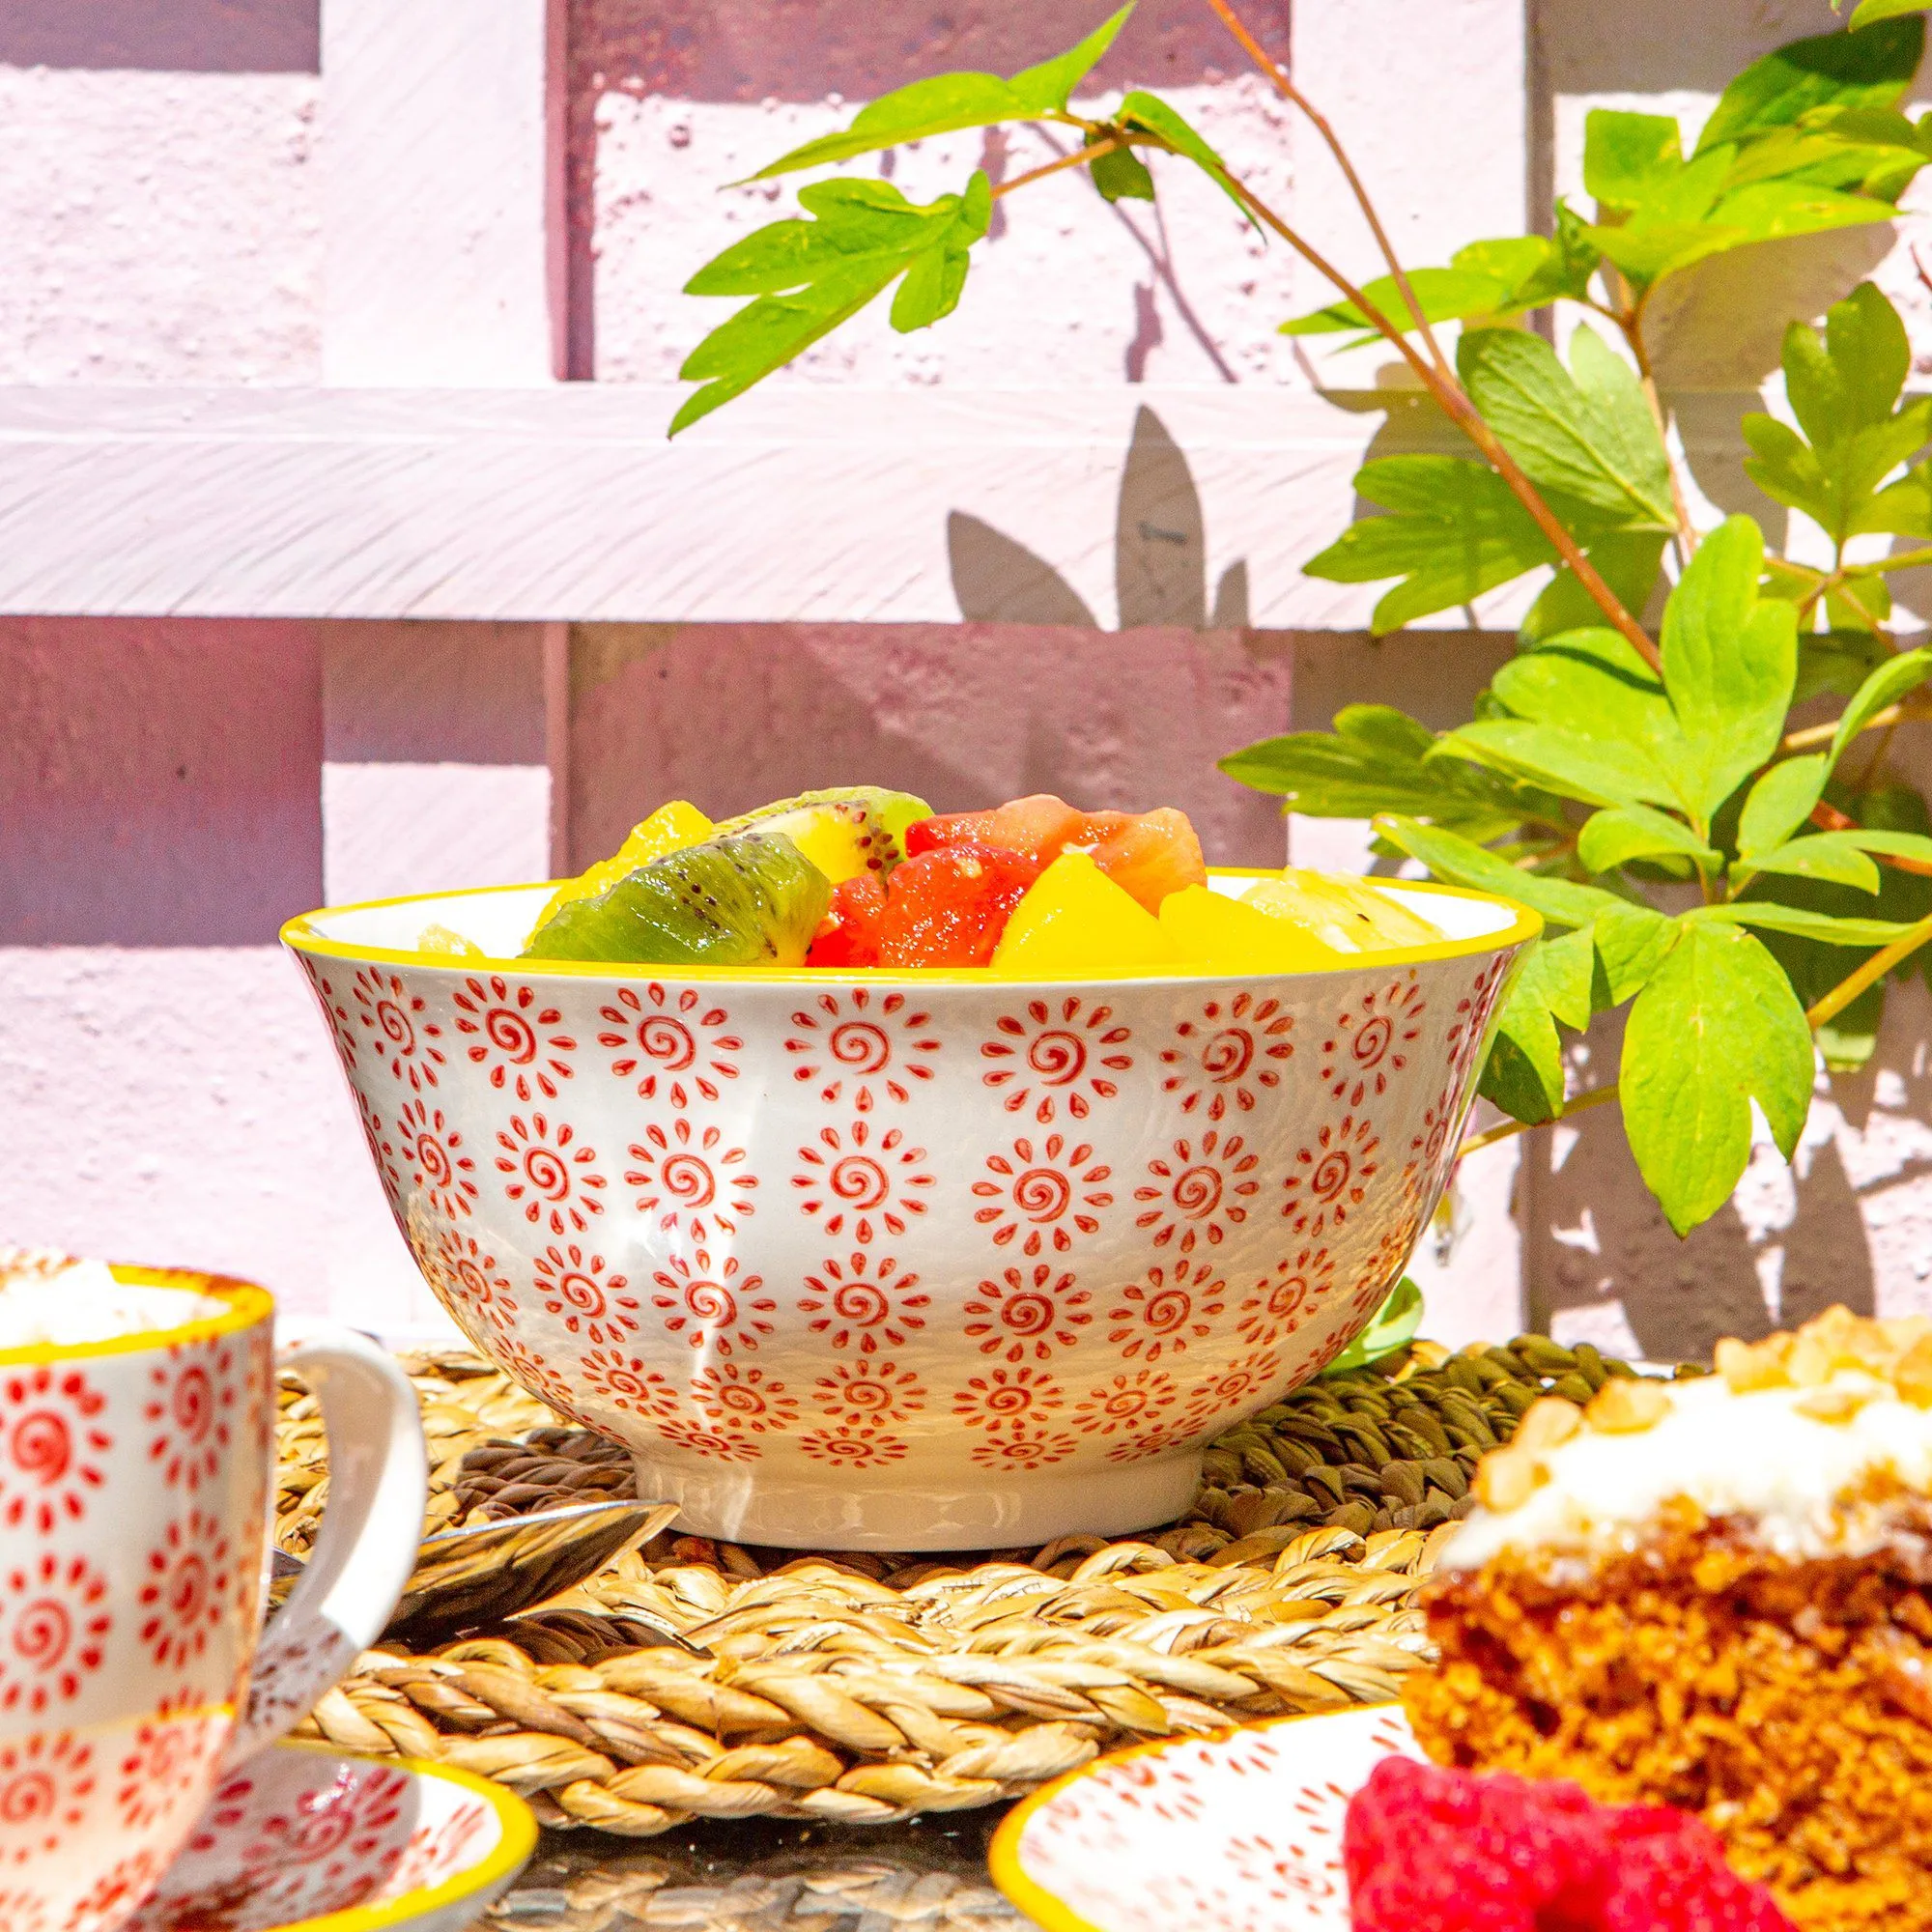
x,y
246,1305
299,935
517,1839
1003,1850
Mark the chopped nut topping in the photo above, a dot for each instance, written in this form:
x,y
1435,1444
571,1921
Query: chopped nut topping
x,y
1833,1405
1508,1477
1547,1422
1621,1405
1745,1366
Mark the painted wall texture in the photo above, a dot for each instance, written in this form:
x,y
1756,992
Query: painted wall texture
x,y
423,195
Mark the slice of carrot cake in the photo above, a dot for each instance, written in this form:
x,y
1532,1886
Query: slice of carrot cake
x,y
1717,1594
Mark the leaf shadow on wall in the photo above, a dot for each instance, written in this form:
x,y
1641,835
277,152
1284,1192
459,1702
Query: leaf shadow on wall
x,y
1160,556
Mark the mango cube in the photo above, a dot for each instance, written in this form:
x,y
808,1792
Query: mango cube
x,y
671,828
1074,921
1218,931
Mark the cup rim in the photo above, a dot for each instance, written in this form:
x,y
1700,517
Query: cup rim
x,y
301,935
247,1304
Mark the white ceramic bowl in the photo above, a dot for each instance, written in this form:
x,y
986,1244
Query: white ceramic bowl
x,y
914,1261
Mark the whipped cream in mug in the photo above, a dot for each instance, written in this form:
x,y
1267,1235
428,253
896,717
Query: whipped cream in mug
x,y
47,1296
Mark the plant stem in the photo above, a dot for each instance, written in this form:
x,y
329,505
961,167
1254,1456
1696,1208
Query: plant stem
x,y
1829,818
1632,325
1869,974
1505,1130
1079,158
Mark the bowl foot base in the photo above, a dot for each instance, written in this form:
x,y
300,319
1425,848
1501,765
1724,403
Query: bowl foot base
x,y
882,1512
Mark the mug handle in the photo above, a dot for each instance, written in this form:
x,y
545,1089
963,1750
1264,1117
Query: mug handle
x,y
365,1551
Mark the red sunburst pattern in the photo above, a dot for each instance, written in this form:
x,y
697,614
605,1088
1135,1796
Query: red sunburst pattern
x,y
395,1025
51,1446
46,1780
168,1754
526,1366
693,1179
190,1410
862,1184
677,1045
1057,1055
868,1392
1197,1194
513,1030
738,1396
1174,1304
187,1589
628,1383
54,1624
873,1048
1329,1180
334,1006
550,1174
847,1447
122,1885
1230,1056
1042,1194
713,1444
591,1300
1159,1441
863,1303
1027,1313
1132,1401
1242,1386
431,1151
1371,1040
1287,1296
470,1282
1026,1449
1471,1022
711,1305
1008,1400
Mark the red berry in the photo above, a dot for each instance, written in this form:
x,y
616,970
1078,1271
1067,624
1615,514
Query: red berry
x,y
949,907
1667,1874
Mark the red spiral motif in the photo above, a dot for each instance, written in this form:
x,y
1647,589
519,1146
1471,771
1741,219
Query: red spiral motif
x,y
41,1633
511,1034
1057,1056
860,1046
1287,1296
1372,1041
1198,1191
627,1382
687,1179
1027,1313
1042,1194
471,1279
1166,1309
582,1292
733,1395
1228,1055
865,1396
29,1798
1332,1175
1007,1399
41,1447
547,1173
194,1403
860,1303
432,1159
710,1301
187,1589
667,1042
319,1833
857,1180
395,1025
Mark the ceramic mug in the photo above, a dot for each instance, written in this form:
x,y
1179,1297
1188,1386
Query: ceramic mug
x,y
135,1487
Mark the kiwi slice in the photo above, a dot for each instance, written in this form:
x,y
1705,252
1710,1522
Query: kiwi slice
x,y
751,899
845,832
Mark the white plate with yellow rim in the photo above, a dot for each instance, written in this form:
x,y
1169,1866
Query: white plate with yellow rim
x,y
1240,1832
307,1839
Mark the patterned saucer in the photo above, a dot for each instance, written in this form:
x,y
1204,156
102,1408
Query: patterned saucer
x,y
304,1840
1240,1832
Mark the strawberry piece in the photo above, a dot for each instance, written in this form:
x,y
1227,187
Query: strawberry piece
x,y
1668,1875
949,907
1150,853
848,935
1038,828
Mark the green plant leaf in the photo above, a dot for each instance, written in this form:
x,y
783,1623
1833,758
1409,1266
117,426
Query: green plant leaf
x,y
1887,685
1627,560
1822,854
1629,157
1631,942
1730,658
1780,802
1392,1327
1456,531
1868,12
1615,837
1717,1027
1459,862
809,277
945,103
1802,923
1149,111
1524,1074
1850,378
1585,432
1869,68
1122,176
1446,295
1887,844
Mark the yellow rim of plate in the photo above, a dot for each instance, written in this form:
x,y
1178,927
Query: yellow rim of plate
x,y
247,1306
1003,1852
299,935
517,1839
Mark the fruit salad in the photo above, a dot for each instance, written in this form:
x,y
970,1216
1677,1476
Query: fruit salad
x,y
861,878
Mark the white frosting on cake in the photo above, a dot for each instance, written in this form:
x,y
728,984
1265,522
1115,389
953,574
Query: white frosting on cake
x,y
48,1297
1756,1455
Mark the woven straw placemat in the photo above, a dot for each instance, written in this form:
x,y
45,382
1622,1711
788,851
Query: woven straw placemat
x,y
865,1688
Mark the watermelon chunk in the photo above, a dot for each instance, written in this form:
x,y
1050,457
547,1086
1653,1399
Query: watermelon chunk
x,y
848,935
1036,829
949,907
1150,854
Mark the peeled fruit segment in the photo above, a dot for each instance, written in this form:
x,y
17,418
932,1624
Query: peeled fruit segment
x,y
852,829
671,828
1038,828
1074,921
1150,854
753,899
1219,932
1349,915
